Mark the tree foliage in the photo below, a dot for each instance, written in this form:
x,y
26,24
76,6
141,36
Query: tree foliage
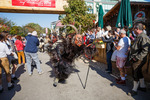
x,y
8,25
77,14
34,27
5,24
14,30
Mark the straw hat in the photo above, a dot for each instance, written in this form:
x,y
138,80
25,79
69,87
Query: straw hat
x,y
34,33
108,28
29,33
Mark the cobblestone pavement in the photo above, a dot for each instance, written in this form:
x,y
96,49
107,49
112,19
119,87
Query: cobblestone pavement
x,y
97,86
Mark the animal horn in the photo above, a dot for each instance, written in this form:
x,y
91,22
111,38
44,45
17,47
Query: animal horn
x,y
76,30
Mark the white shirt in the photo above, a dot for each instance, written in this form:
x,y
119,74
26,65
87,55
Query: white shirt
x,y
124,43
99,34
4,51
145,31
106,34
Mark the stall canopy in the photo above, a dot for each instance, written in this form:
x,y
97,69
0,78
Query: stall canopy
x,y
124,15
100,16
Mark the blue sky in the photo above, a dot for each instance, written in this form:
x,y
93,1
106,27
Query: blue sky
x,y
20,19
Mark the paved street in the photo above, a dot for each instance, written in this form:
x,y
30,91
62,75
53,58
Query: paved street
x,y
99,85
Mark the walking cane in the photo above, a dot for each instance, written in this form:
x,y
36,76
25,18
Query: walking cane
x,y
87,74
84,85
88,68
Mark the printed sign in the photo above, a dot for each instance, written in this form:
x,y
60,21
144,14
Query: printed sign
x,y
139,16
34,3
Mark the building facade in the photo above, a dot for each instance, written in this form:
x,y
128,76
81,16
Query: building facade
x,y
94,4
106,4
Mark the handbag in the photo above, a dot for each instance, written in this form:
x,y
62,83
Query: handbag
x,y
114,56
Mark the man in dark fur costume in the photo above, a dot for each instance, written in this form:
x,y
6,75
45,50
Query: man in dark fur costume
x,y
63,53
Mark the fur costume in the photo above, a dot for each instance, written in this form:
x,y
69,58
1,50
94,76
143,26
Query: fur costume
x,y
63,53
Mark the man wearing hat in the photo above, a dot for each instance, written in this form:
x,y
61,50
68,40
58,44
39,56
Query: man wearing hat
x,y
122,49
31,52
138,58
108,28
29,34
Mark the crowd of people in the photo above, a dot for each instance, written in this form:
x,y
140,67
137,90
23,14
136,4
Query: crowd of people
x,y
17,50
118,41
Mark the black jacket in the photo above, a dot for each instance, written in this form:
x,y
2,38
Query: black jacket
x,y
139,49
109,44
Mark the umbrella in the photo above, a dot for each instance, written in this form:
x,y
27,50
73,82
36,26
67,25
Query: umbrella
x,y
125,15
100,16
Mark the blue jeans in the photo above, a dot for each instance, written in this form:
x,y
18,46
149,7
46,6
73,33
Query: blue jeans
x,y
109,65
34,56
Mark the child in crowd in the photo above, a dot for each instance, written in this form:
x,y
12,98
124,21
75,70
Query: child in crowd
x,y
20,47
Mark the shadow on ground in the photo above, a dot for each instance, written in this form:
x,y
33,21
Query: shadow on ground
x,y
9,94
100,69
52,73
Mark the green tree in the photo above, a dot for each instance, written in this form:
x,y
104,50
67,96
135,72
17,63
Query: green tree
x,y
5,24
34,27
77,14
14,30
20,29
44,30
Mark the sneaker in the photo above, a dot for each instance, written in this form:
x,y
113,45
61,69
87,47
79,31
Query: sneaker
x,y
30,74
132,93
142,89
118,79
1,90
41,72
12,86
121,82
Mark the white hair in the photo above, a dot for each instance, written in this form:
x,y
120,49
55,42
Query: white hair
x,y
122,31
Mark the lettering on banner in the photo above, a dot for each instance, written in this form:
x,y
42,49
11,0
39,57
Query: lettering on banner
x,y
34,3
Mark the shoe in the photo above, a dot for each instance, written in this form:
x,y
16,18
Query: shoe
x,y
106,70
132,93
121,82
1,90
30,74
142,89
40,73
12,86
118,79
12,81
109,72
55,84
15,78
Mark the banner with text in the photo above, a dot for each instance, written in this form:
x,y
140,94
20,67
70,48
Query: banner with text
x,y
34,3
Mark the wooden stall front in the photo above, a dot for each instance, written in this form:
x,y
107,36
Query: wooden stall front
x,y
101,57
110,18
